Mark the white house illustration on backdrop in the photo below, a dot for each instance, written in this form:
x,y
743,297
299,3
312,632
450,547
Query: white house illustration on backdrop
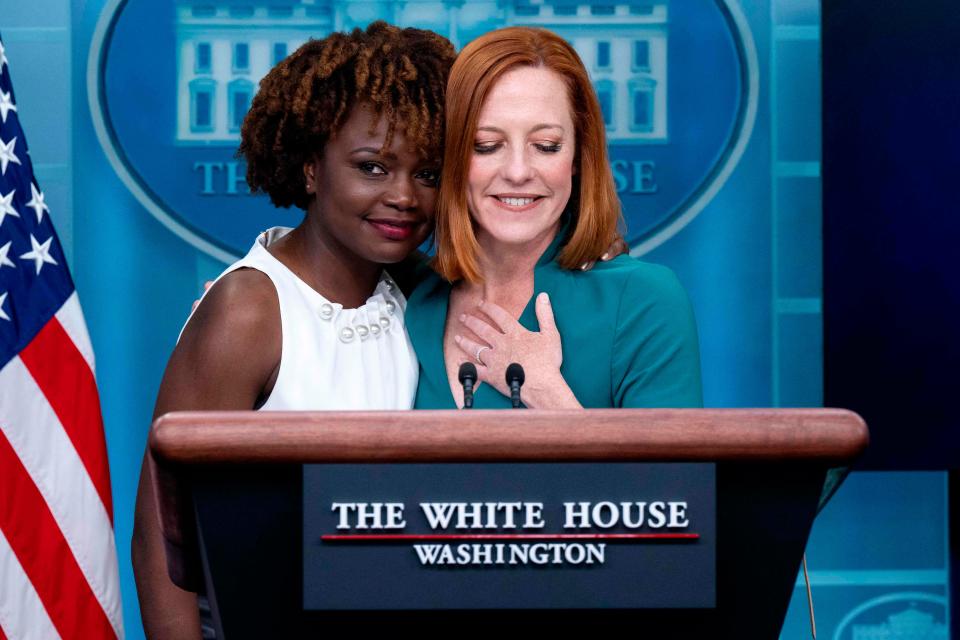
x,y
909,624
225,47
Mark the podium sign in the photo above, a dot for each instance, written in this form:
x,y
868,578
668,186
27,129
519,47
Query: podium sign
x,y
398,517
509,536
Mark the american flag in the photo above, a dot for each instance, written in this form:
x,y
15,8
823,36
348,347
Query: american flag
x,y
58,562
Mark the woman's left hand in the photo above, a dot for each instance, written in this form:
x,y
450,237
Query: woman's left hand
x,y
505,341
617,247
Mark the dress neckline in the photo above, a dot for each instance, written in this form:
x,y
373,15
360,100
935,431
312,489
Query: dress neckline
x,y
386,289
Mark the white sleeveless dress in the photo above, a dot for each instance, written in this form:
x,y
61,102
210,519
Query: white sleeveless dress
x,y
335,358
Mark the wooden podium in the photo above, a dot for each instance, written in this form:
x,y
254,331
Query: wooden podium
x,y
230,493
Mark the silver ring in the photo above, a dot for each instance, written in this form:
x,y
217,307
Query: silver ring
x,y
477,355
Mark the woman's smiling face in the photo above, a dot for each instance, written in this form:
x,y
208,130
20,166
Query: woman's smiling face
x,y
521,171
374,204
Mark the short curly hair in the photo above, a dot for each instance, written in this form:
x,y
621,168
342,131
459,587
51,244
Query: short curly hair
x,y
303,101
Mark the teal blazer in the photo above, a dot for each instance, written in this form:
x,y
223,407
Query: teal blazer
x,y
628,332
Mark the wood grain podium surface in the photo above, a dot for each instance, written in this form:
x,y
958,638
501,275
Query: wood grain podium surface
x,y
244,437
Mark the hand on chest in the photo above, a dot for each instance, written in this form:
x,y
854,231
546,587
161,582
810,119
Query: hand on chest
x,y
492,337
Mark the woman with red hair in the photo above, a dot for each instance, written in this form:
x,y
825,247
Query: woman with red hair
x,y
527,195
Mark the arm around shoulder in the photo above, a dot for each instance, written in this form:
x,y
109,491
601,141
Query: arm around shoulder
x,y
226,358
656,351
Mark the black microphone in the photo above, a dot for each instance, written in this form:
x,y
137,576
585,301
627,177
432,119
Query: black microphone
x,y
468,377
515,379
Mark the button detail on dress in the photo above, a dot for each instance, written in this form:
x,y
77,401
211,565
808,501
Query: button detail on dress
x,y
385,322
326,311
362,331
346,334
375,330
391,306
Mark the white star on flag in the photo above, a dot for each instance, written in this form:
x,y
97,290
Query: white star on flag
x,y
4,260
7,155
40,253
3,298
3,57
6,206
36,203
6,105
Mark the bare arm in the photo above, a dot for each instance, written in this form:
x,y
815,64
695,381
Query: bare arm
x,y
227,358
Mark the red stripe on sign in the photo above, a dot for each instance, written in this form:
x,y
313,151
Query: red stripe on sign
x,y
2,636
42,551
403,537
69,386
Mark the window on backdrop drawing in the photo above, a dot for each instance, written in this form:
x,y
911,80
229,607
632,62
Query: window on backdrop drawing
x,y
203,62
606,94
641,55
202,105
241,57
642,116
603,54
240,92
279,52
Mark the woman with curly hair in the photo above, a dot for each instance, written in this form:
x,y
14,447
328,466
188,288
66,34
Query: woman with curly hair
x,y
347,128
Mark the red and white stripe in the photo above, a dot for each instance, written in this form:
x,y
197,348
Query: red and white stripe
x,y
58,563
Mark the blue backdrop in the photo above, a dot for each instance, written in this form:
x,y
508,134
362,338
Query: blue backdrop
x,y
737,217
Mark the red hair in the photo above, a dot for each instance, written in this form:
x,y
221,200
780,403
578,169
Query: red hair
x,y
594,206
